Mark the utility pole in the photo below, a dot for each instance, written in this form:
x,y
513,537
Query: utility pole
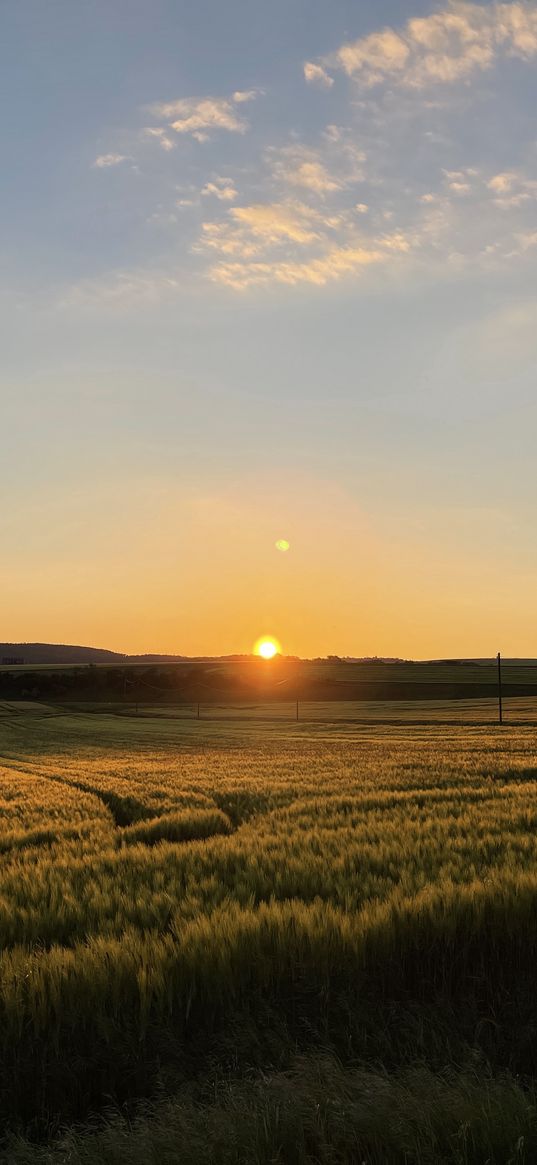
x,y
500,708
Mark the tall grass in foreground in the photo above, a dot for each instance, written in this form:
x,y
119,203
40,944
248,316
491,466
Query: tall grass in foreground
x,y
427,977
318,1112
170,912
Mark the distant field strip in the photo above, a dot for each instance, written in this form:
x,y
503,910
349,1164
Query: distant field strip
x,y
11,708
477,711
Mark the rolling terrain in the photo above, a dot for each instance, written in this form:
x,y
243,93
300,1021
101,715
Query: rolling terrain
x,y
280,936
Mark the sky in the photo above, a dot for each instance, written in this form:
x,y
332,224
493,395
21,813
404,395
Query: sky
x,y
268,272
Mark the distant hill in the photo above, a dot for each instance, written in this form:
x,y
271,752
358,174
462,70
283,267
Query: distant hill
x,y
56,653
59,654
373,659
64,653
485,661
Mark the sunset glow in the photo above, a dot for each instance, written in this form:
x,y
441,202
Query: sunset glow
x,y
267,647
302,336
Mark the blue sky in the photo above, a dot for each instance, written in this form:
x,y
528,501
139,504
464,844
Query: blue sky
x,y
269,267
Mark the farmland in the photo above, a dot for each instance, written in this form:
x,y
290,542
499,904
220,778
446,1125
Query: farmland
x,y
282,681
286,941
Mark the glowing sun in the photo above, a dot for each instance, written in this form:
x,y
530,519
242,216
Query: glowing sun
x,y
267,647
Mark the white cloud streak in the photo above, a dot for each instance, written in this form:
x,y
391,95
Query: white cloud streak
x,y
161,136
104,161
251,230
316,75
304,169
319,173
336,263
443,48
200,116
330,209
222,188
291,243
242,95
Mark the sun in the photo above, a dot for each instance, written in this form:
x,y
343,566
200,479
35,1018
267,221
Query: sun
x,y
267,647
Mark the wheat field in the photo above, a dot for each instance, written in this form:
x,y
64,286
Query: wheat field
x,y
294,912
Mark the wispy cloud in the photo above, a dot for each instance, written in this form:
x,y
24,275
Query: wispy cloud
x,y
291,243
527,241
157,131
336,263
105,160
334,165
316,75
384,180
302,168
458,224
221,188
459,181
501,183
445,47
512,190
240,96
251,230
200,116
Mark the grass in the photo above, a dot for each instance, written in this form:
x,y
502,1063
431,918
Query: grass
x,y
190,825
481,711
187,907
319,1112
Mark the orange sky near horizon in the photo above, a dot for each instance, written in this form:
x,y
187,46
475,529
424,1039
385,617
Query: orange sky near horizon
x,y
199,573
275,281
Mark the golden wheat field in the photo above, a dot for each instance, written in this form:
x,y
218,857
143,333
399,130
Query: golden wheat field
x,y
183,900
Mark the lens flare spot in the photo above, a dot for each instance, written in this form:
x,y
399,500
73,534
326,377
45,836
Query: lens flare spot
x,y
282,544
267,647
